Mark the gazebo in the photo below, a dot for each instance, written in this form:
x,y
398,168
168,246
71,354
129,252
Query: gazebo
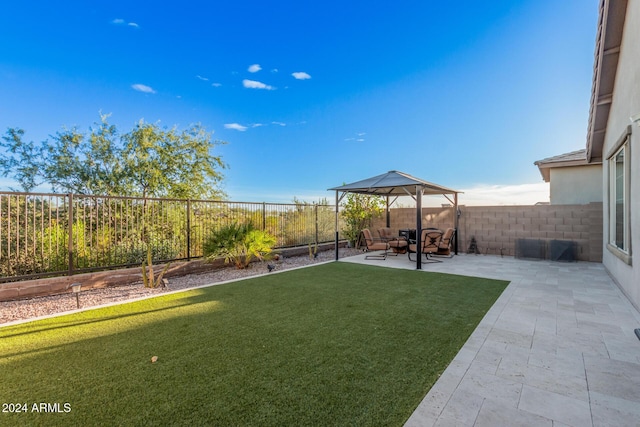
x,y
392,185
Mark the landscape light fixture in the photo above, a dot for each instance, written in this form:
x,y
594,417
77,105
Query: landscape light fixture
x,y
76,287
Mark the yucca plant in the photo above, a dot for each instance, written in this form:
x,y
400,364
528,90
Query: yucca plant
x,y
239,244
148,277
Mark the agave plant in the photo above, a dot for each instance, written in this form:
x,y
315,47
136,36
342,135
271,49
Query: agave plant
x,y
239,244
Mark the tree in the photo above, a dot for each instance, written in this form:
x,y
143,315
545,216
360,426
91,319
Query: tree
x,y
148,161
169,163
20,159
75,163
357,211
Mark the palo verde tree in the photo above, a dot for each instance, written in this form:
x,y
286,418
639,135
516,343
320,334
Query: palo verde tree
x,y
172,163
21,159
148,161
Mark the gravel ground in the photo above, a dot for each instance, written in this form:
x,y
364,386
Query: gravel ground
x,y
43,306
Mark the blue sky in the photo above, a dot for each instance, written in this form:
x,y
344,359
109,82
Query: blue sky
x,y
312,95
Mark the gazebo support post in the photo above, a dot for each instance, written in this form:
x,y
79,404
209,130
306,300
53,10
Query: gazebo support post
x,y
388,214
418,227
456,222
337,232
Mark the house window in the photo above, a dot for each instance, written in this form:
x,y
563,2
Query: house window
x,y
618,200
619,180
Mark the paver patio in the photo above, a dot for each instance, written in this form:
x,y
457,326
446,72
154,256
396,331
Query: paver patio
x,y
557,348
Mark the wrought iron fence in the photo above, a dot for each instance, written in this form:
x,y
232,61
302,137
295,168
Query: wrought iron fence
x,y
44,234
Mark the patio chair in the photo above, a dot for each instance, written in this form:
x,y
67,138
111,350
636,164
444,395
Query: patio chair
x,y
444,248
430,240
374,245
397,244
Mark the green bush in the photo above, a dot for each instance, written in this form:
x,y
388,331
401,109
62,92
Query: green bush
x,y
358,210
239,244
134,251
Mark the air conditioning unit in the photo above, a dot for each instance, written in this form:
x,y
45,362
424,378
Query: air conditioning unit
x,y
562,250
530,248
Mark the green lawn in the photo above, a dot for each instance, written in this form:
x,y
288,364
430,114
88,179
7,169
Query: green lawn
x,y
334,344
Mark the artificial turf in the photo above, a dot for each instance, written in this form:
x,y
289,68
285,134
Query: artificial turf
x,y
333,344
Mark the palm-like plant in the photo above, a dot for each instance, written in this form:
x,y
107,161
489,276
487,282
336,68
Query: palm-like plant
x,y
239,244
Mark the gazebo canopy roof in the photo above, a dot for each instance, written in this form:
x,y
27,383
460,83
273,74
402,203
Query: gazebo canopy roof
x,y
393,183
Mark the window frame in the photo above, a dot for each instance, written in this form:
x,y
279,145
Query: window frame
x,y
622,146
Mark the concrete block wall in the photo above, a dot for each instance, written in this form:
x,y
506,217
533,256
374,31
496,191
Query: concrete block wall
x,y
496,228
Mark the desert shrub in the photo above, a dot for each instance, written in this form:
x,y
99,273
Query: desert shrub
x,y
358,211
134,251
239,244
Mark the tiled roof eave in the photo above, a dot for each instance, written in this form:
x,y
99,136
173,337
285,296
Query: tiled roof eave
x,y
607,51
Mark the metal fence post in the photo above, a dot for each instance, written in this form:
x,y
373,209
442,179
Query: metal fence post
x,y
70,234
315,208
264,216
189,230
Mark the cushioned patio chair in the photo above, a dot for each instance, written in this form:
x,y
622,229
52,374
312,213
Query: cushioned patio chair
x,y
374,245
444,248
430,242
397,244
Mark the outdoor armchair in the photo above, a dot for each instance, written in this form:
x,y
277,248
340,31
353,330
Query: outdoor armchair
x,y
374,245
444,248
430,242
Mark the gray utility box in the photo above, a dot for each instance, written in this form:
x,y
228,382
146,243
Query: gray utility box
x,y
530,248
555,250
562,250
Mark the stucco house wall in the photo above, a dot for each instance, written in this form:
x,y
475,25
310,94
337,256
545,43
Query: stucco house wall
x,y
576,185
625,103
572,180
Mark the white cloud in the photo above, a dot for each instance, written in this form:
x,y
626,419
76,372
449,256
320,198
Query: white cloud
x,y
357,138
252,84
216,84
254,68
204,79
278,123
301,75
257,125
275,70
235,126
143,88
119,21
